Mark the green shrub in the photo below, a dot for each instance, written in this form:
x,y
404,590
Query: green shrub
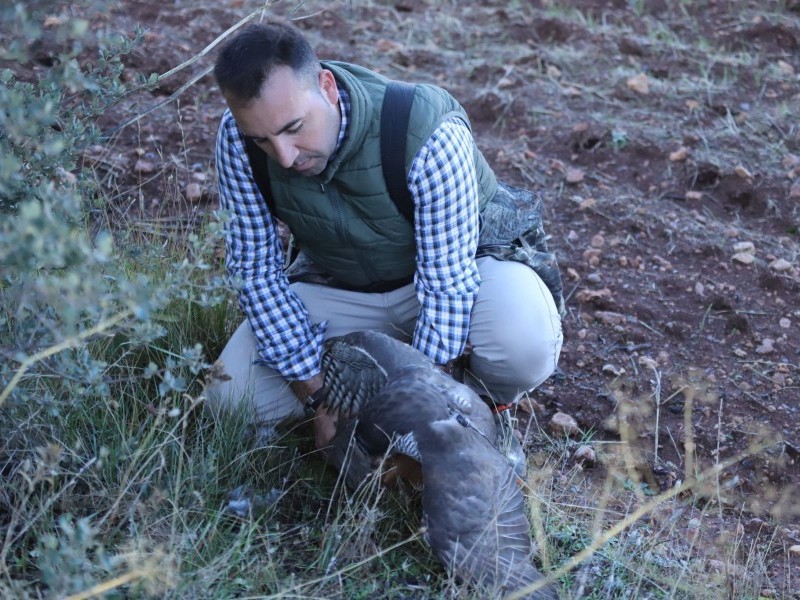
x,y
85,333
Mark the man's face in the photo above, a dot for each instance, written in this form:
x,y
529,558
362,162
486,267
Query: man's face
x,y
294,120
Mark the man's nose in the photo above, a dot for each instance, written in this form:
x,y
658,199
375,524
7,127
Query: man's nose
x,y
285,153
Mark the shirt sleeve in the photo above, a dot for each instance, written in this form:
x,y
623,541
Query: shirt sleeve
x,y
443,184
286,339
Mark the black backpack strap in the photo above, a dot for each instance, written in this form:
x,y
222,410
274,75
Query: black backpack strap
x,y
395,113
258,164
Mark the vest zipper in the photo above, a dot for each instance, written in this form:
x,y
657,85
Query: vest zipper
x,y
338,213
341,230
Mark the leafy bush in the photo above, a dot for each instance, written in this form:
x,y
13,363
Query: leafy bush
x,y
83,331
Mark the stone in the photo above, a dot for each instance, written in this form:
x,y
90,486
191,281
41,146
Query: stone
x,y
585,455
767,346
529,405
748,247
608,317
679,155
639,84
780,265
193,192
564,424
143,166
574,175
744,258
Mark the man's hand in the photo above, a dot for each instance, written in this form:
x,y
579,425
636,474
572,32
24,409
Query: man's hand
x,y
324,421
324,427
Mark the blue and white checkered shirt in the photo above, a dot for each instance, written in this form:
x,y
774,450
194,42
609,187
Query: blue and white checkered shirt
x,y
443,185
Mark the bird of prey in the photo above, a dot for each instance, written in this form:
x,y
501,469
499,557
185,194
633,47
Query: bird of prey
x,y
396,402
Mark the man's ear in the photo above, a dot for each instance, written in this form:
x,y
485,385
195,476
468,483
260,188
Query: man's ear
x,y
327,84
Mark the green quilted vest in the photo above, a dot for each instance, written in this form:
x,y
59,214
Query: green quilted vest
x,y
344,219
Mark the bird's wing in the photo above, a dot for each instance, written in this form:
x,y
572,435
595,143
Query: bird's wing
x,y
351,376
473,510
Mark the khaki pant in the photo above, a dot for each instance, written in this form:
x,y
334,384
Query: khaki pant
x,y
515,333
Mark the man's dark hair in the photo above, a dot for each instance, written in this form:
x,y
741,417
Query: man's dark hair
x,y
247,60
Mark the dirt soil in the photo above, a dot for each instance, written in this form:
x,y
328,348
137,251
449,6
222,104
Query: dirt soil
x,y
663,136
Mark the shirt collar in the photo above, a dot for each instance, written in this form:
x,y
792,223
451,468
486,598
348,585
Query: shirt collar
x,y
344,110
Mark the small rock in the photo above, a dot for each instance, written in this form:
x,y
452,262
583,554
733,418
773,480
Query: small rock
x,y
780,265
767,346
573,274
795,550
585,455
744,258
574,175
598,241
785,323
739,352
639,83
748,247
144,166
594,278
699,289
384,45
592,256
694,195
562,423
610,318
587,203
742,172
553,71
794,191
679,155
588,296
785,68
529,405
193,192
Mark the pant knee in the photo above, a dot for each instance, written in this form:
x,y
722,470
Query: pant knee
x,y
534,359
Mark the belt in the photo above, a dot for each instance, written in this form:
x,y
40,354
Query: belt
x,y
377,287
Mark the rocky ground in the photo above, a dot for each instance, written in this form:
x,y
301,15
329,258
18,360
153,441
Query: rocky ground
x,y
663,136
